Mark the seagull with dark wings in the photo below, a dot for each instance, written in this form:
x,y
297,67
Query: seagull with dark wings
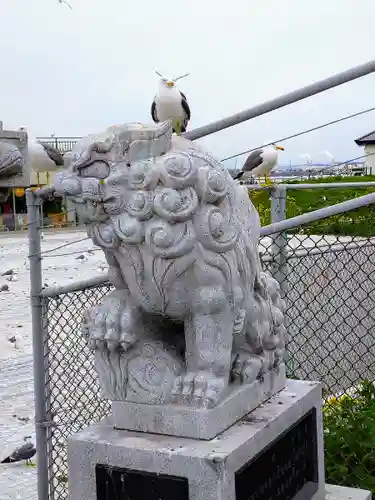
x,y
24,452
171,104
260,162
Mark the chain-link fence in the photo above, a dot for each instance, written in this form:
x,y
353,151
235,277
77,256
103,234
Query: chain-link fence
x,y
328,285
72,391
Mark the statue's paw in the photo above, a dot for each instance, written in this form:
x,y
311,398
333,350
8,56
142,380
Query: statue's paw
x,y
109,326
198,389
247,368
94,327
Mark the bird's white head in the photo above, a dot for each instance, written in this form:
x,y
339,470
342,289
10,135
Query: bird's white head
x,y
272,144
168,83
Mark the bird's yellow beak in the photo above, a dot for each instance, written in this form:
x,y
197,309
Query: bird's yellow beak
x,y
279,147
170,84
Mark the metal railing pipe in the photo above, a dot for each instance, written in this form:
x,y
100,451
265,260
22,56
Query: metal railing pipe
x,y
328,185
322,213
284,100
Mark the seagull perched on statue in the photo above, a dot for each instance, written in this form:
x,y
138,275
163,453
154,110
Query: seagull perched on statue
x,y
42,156
171,104
260,162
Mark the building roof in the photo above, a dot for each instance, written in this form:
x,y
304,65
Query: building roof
x,y
366,139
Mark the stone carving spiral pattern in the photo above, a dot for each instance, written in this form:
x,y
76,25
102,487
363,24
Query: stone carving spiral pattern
x,y
181,240
169,203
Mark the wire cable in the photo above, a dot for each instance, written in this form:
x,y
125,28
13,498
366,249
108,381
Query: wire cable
x,y
64,245
90,251
303,132
25,226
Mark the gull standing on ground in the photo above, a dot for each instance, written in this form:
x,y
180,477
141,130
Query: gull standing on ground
x,y
260,162
24,452
171,104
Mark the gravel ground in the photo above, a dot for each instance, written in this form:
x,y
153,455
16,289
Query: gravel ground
x,y
17,481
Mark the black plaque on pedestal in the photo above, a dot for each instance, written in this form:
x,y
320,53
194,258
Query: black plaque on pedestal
x,y
113,483
287,469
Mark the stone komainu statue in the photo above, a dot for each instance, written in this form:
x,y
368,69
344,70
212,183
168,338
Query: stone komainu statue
x,y
192,313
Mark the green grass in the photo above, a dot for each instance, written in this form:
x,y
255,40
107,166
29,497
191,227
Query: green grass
x,y
349,438
359,222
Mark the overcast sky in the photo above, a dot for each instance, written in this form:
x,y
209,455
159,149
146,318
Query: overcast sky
x,y
73,72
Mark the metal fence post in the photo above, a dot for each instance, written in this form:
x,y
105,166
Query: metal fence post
x,y
33,210
279,253
279,240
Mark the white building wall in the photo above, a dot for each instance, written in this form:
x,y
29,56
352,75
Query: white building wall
x,y
370,160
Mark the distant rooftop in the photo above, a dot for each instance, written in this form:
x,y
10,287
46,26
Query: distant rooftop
x,y
366,139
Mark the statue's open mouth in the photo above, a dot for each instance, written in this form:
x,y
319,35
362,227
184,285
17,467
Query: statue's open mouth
x,y
98,207
90,208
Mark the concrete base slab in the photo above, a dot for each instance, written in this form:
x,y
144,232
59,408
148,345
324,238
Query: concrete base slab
x,y
183,421
286,432
343,493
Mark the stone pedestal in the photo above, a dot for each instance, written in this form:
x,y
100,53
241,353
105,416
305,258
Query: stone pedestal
x,y
342,493
184,421
276,451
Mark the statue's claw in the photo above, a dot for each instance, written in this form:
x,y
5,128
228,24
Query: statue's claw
x,y
111,325
198,389
247,368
